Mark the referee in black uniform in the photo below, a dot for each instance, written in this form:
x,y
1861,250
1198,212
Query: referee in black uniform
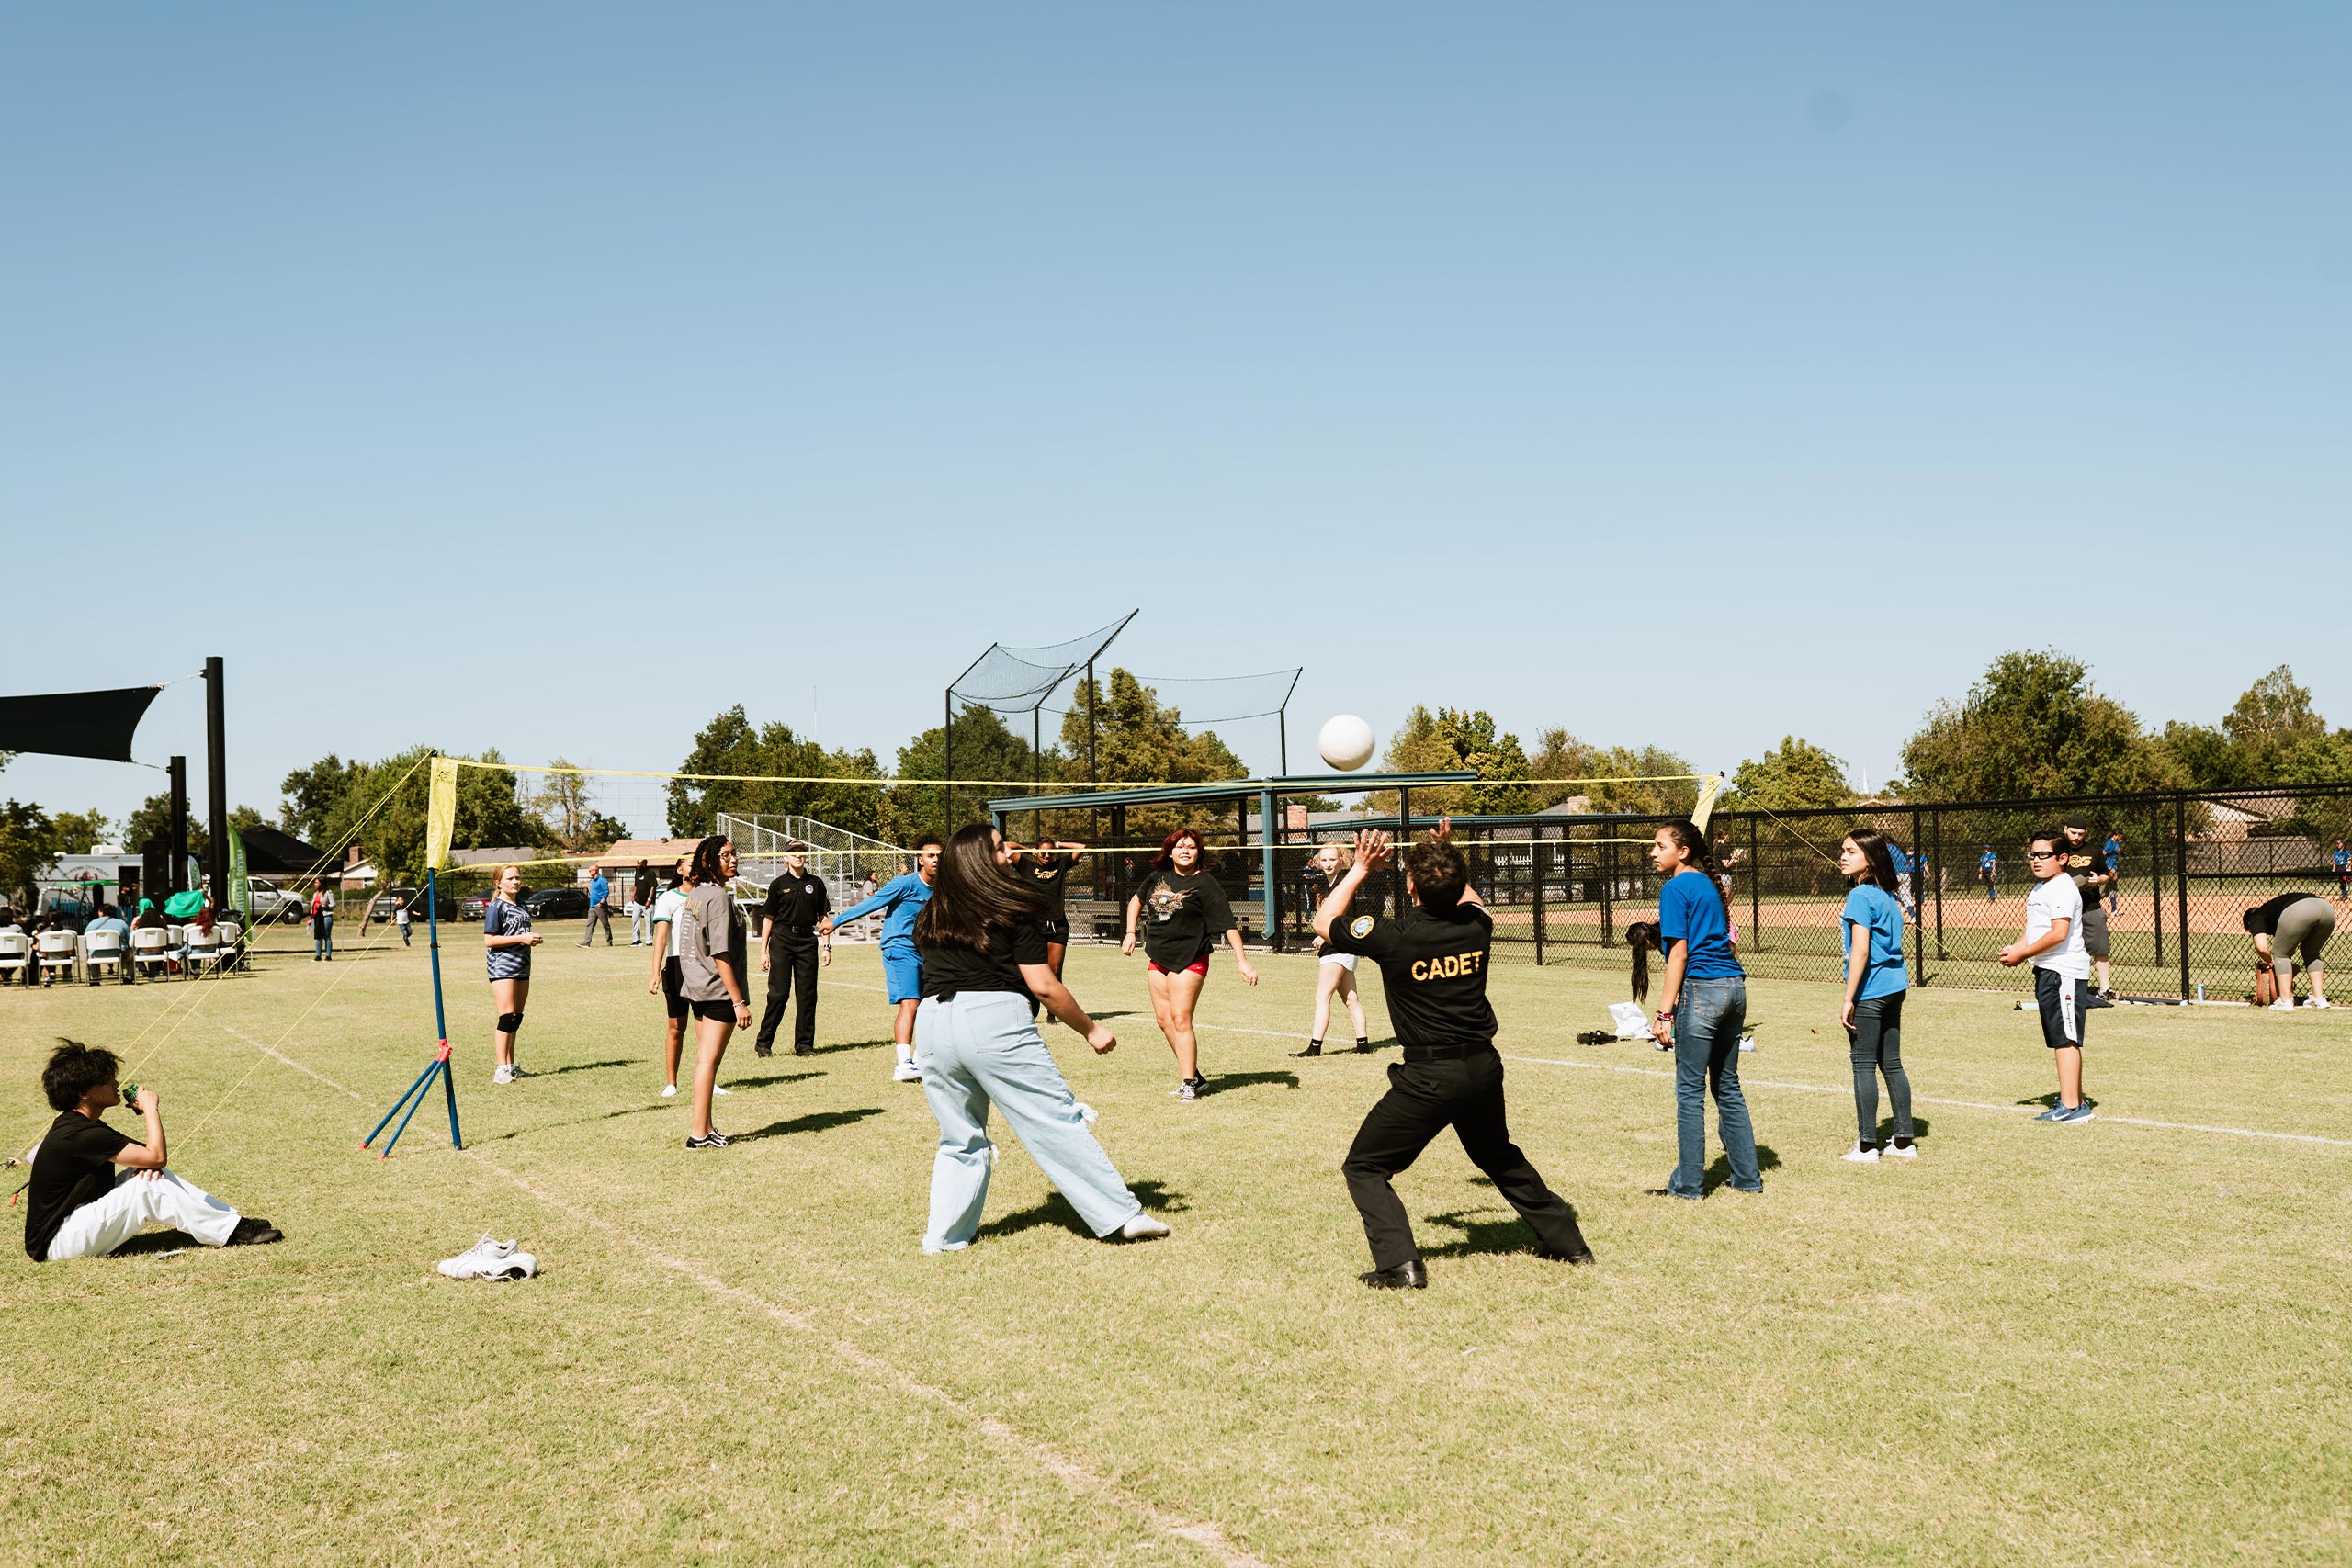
x,y
789,948
1432,962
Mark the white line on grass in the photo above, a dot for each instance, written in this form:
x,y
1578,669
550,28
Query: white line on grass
x,y
1200,1533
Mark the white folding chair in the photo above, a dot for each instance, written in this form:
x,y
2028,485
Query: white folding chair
x,y
203,947
150,949
57,949
101,949
15,952
232,942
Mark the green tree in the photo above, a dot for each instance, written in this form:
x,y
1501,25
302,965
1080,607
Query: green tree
x,y
313,794
1451,740
1796,777
28,848
2034,726
986,748
730,744
1138,739
77,830
565,805
1561,755
244,817
153,821
2202,755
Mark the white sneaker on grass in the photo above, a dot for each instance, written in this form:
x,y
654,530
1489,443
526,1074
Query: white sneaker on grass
x,y
1143,1227
1860,1154
2319,1002
485,1259
2284,1004
505,1073
669,1091
715,1089
1900,1151
906,1072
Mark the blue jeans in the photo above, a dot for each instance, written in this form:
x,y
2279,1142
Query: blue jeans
x,y
322,938
1708,1017
981,1048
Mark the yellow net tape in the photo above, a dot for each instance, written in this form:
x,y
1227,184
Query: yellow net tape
x,y
1335,784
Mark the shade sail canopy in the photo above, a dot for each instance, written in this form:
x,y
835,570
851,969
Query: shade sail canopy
x,y
75,724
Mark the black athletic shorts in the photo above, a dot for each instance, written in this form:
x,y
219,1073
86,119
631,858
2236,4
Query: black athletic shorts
x,y
671,1002
2060,996
720,1012
2094,939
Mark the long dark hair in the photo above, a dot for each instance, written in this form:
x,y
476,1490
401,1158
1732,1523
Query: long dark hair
x,y
707,861
973,893
1880,873
1693,838
1166,859
1640,938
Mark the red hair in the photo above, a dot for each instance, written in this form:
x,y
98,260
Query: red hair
x,y
1166,860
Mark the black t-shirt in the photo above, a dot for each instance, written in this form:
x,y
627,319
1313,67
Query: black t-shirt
x,y
1048,872
948,971
2085,861
641,889
1183,916
75,1166
794,904
2264,917
1433,970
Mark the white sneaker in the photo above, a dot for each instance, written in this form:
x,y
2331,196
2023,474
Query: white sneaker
x,y
1086,1112
1143,1227
715,1089
2319,1002
2284,1004
1861,1155
669,1091
505,1073
1901,1151
482,1260
906,1072
1748,1042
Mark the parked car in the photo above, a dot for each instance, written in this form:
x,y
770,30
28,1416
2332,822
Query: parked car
x,y
556,903
473,907
271,902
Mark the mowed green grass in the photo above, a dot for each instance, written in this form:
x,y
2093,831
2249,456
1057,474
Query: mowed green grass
x,y
2119,1343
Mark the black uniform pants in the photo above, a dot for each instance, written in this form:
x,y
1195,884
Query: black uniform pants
x,y
791,961
1424,1099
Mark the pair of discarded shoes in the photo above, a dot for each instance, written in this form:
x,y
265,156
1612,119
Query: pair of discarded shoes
x,y
497,1261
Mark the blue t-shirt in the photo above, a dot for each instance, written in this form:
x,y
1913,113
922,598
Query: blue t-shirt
x,y
1873,908
598,889
1894,853
2343,858
1988,861
904,897
504,919
2109,852
1690,910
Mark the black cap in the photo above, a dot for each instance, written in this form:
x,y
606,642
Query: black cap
x,y
2076,820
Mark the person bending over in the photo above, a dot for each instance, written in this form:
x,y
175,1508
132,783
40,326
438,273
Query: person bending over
x,y
1432,962
93,1188
2289,930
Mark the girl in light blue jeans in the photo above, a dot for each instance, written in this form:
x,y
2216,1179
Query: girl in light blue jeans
x,y
1703,1007
982,939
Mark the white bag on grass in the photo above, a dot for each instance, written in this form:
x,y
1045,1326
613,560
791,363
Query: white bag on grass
x,y
1631,1022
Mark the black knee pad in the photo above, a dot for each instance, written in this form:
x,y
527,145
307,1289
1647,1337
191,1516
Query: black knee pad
x,y
510,1022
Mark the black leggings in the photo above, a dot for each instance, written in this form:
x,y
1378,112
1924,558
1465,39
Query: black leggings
x,y
1877,1042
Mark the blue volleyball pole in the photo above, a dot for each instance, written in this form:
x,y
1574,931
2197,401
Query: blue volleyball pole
x,y
414,1096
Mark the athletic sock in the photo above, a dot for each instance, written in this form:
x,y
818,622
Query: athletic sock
x,y
1363,1041
1902,1143
905,1051
1316,1043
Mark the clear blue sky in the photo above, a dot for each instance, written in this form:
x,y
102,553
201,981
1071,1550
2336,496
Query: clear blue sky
x,y
1690,378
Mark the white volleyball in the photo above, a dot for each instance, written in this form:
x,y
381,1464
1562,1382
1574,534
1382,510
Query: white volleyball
x,y
1345,741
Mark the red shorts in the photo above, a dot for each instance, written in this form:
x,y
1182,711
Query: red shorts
x,y
1198,966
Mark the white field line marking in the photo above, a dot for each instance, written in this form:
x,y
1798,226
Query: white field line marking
x,y
1200,1533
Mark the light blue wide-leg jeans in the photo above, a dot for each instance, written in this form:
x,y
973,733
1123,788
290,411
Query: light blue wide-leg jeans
x,y
979,1049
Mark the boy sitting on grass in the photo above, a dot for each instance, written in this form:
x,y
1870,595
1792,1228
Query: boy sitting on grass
x,y
93,1188
2062,968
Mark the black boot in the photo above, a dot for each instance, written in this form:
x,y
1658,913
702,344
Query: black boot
x,y
1407,1276
1314,1048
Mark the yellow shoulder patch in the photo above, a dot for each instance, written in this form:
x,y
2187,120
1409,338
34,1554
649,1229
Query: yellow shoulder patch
x,y
1361,927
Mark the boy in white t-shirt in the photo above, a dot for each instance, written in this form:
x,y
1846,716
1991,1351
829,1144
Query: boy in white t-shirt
x,y
2062,968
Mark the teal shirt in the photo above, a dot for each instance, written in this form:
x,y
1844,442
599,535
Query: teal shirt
x,y
1872,908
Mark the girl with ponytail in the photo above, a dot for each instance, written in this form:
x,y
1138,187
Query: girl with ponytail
x,y
1702,1006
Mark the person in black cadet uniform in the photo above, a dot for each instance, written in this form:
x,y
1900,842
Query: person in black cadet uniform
x,y
1432,961
2087,863
790,949
1047,864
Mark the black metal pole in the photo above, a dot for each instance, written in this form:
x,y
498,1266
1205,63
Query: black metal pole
x,y
2156,877
177,880
2181,883
1918,890
1282,728
1755,882
1936,831
1535,848
216,784
1093,779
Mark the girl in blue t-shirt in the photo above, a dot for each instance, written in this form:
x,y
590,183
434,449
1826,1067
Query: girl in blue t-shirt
x,y
507,937
1875,986
1701,1009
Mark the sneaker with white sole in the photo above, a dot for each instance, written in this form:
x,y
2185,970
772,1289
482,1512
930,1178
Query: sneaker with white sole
x,y
906,1072
2284,1004
1143,1227
1862,1153
2073,1115
669,1091
715,1140
2052,1114
1188,1091
2319,1002
505,1073
715,1089
1900,1151
478,1261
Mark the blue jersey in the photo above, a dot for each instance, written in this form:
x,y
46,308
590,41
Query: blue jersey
x,y
904,897
2343,858
2109,853
1690,910
1988,862
1870,907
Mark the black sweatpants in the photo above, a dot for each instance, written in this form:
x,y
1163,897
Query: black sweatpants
x,y
1424,1099
791,964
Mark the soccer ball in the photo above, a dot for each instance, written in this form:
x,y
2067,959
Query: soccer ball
x,y
1345,741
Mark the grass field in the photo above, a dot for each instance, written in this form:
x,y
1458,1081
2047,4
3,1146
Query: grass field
x,y
2119,1343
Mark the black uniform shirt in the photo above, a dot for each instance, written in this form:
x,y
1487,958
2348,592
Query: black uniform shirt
x,y
2263,919
2085,861
75,1166
1433,969
795,904
949,971
1182,917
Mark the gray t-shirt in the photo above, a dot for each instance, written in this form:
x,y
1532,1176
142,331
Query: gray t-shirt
x,y
707,926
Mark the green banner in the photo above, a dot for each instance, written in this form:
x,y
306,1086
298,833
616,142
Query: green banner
x,y
240,889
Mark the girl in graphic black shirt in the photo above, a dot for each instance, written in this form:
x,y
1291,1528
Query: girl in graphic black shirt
x,y
1184,912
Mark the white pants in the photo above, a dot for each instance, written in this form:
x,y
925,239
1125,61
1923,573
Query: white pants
x,y
98,1227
